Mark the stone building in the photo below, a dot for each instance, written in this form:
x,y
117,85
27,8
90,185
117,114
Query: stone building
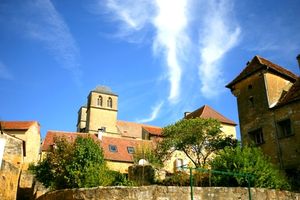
x,y
11,155
20,141
29,133
119,139
268,99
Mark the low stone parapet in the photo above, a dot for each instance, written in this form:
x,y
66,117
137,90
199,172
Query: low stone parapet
x,y
154,192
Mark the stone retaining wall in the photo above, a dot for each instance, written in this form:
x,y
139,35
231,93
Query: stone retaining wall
x,y
167,193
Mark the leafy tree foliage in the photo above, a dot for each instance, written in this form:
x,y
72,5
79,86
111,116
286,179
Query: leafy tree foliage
x,y
247,160
73,165
148,153
198,138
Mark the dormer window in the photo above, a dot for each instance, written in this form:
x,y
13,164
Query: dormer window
x,y
99,101
113,148
130,150
109,102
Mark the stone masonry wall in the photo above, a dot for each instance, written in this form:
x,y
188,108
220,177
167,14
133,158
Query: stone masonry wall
x,y
9,175
11,167
167,193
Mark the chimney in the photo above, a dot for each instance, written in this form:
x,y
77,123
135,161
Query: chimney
x,y
298,58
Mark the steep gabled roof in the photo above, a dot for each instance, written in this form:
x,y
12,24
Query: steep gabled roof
x,y
121,155
17,125
258,63
292,95
207,112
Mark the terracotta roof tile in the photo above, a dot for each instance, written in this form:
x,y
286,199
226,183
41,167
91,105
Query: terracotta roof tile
x,y
153,130
69,136
292,95
121,155
121,144
132,129
17,125
207,112
258,63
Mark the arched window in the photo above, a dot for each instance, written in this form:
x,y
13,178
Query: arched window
x,y
109,102
99,101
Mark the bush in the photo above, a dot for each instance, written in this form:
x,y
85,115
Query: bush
x,y
176,179
120,179
247,160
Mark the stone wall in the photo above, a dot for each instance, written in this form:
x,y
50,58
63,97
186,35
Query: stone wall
x,y
29,188
167,193
9,175
11,167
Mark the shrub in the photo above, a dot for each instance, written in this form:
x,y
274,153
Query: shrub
x,y
247,160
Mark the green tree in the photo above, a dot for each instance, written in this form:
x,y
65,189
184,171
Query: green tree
x,y
73,165
148,153
198,138
247,160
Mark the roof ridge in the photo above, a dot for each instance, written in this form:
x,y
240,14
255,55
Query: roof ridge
x,y
71,132
251,68
207,111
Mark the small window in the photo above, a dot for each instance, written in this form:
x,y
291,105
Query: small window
x,y
99,101
130,150
257,136
250,87
113,148
109,102
284,128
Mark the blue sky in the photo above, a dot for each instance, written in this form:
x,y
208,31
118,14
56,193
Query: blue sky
x,y
162,57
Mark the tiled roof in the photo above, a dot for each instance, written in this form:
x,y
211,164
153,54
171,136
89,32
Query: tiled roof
x,y
292,95
121,144
70,136
258,63
132,129
207,112
17,125
121,155
153,130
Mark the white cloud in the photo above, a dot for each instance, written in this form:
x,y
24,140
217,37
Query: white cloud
x,y
4,72
218,36
46,25
169,19
155,111
171,38
135,14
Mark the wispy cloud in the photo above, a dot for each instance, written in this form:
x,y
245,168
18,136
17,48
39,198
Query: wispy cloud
x,y
155,111
47,26
170,37
135,14
190,36
218,35
4,72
